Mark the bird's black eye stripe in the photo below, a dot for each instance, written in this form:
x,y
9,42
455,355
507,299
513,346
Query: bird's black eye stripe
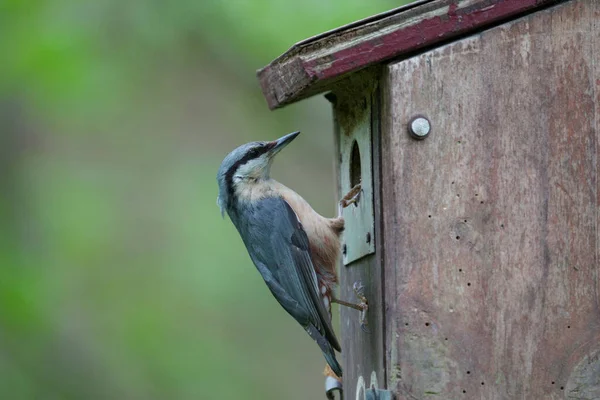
x,y
253,153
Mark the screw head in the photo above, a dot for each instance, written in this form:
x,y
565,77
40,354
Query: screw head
x,y
419,127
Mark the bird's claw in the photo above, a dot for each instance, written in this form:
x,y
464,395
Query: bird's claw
x,y
364,323
333,385
350,198
359,290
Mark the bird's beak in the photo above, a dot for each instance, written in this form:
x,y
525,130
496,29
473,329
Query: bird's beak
x,y
279,144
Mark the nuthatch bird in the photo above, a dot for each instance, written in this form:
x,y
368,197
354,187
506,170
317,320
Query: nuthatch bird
x,y
295,249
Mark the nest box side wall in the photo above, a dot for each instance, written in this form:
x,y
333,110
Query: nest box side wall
x,y
490,225
356,105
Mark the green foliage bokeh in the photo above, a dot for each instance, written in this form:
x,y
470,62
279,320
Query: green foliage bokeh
x,y
118,277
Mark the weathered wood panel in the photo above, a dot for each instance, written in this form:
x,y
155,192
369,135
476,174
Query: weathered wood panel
x,y
362,352
312,66
491,224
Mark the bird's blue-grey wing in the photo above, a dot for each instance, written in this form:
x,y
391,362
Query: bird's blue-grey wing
x,y
279,247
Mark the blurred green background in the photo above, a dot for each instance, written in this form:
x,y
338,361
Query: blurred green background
x,y
118,277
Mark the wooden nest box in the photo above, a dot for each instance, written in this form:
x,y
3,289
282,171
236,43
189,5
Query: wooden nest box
x,y
473,127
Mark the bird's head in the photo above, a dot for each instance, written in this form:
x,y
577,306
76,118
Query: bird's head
x,y
247,164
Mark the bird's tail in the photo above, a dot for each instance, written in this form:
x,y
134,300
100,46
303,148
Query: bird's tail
x,y
327,349
333,362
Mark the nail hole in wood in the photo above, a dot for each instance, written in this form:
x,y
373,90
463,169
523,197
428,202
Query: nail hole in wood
x,y
482,383
458,237
460,270
426,323
562,387
468,372
468,283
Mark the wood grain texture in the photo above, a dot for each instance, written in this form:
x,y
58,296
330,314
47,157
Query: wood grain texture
x,y
491,224
363,353
310,67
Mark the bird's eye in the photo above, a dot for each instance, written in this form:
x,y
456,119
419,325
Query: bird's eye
x,y
255,152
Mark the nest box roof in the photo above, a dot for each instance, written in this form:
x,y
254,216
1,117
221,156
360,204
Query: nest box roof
x,y
311,66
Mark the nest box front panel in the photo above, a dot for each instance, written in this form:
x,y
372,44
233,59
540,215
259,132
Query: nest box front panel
x,y
355,156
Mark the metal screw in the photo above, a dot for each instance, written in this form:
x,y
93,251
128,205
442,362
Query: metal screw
x,y
344,249
419,127
368,237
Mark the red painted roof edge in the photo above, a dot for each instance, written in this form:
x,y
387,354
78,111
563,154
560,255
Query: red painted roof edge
x,y
309,66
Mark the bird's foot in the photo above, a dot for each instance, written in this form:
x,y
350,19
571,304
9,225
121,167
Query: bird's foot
x,y
333,384
362,306
350,198
359,290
